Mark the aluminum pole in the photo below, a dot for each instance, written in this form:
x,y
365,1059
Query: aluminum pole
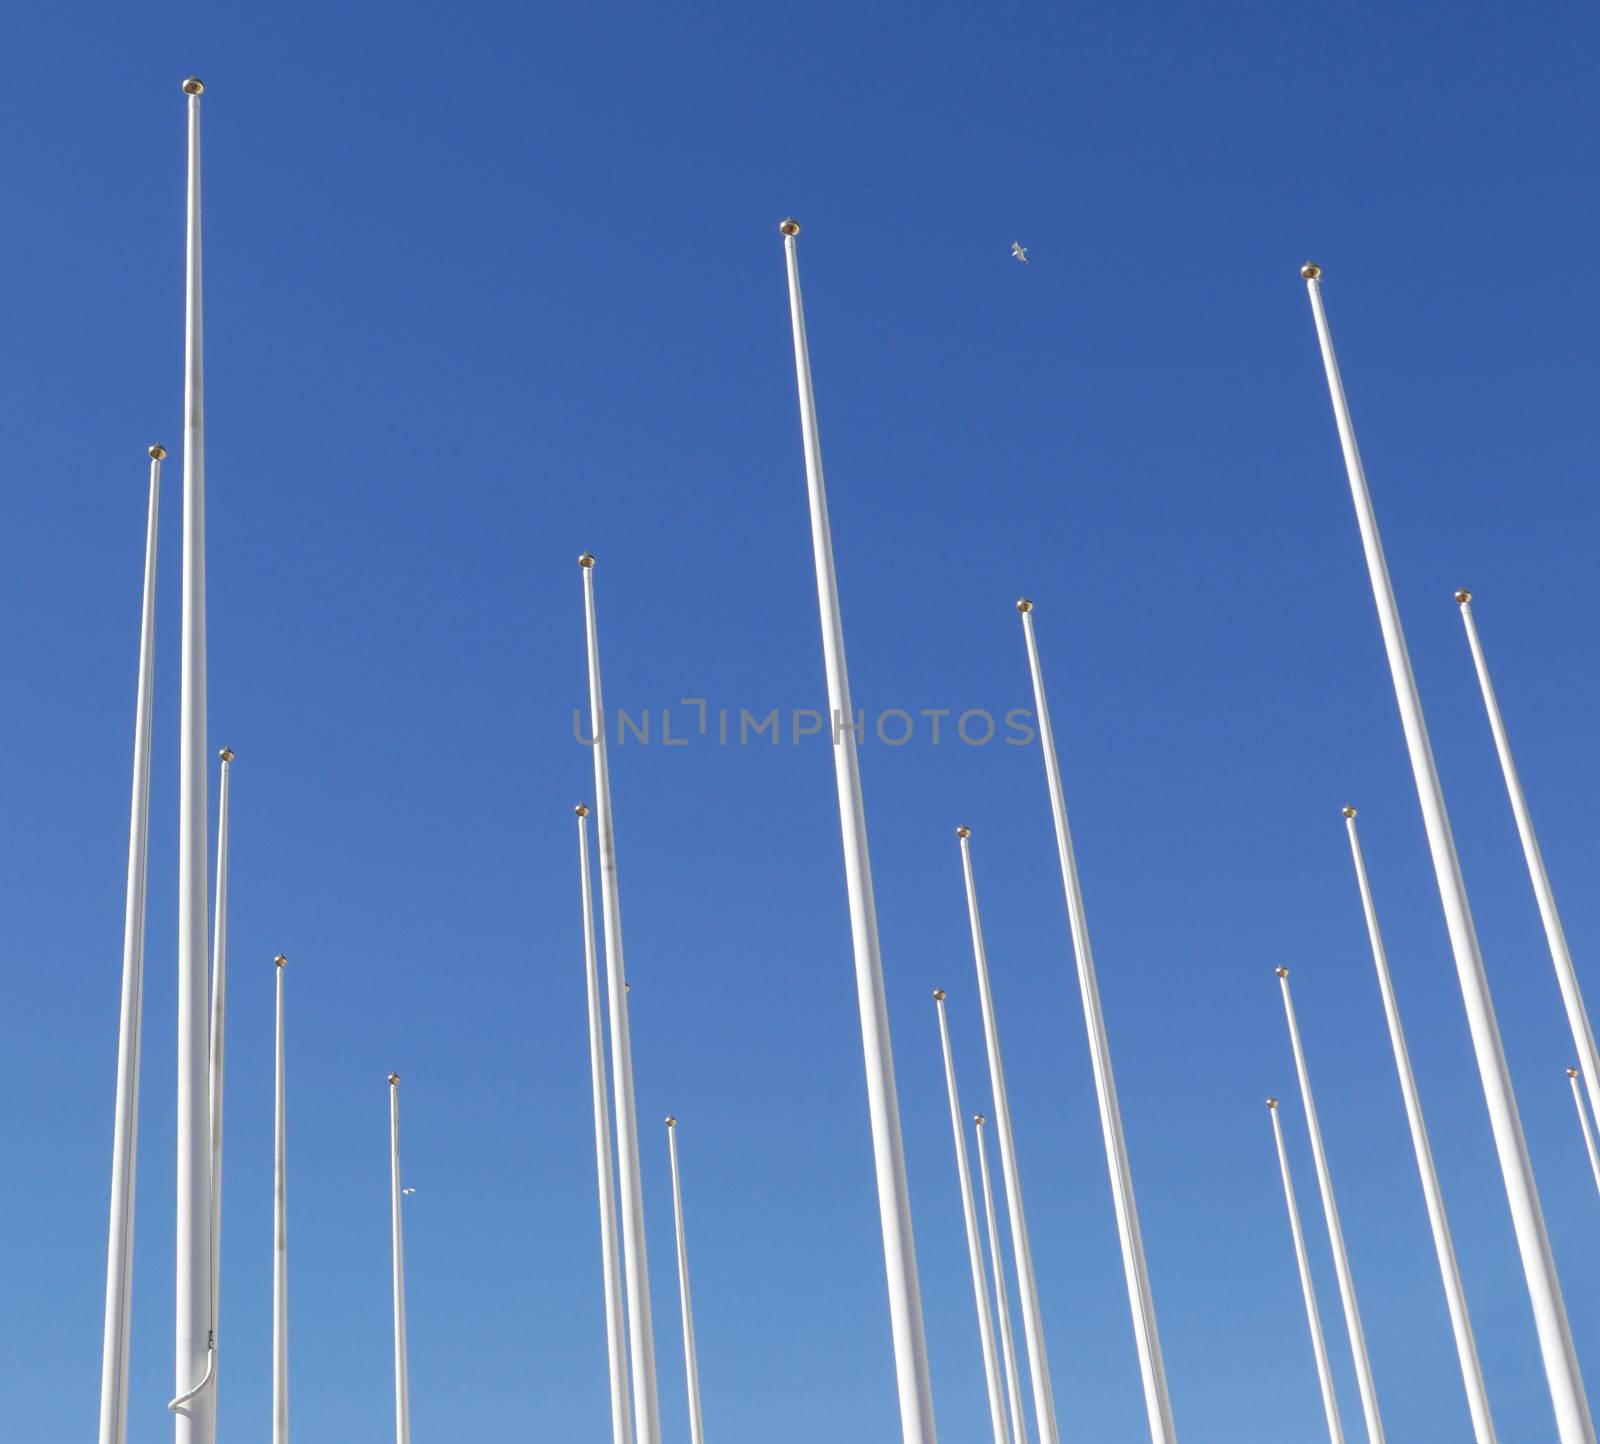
x,y
1136,1273
1002,1303
616,1327
969,1214
1044,1404
215,1052
1319,1345
1583,1123
1439,1224
125,1132
1568,1399
402,1376
635,1261
691,1364
280,1241
894,1194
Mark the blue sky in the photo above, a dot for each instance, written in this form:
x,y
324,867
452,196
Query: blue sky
x,y
487,286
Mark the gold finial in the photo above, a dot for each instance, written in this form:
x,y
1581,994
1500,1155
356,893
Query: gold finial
x,y
1572,1072
671,1121
1282,972
582,809
193,86
1272,1103
979,1119
586,560
1463,596
1311,271
157,452
963,832
394,1079
279,960
789,226
1348,810
1024,605
938,995
226,754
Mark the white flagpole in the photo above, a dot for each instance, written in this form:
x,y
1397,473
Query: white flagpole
x,y
616,1329
219,1019
1330,1212
402,1377
969,1214
1002,1303
1044,1404
1583,1123
894,1195
635,1261
1555,935
1319,1345
691,1364
1141,1302
125,1136
280,1242
1444,1247
1567,1396
194,1350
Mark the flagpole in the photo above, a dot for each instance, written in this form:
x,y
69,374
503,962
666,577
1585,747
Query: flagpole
x,y
969,1214
125,1133
1002,1303
402,1377
215,1051
1567,1396
1044,1404
1583,1123
1330,1213
691,1365
894,1195
1444,1247
616,1337
635,1261
1555,935
280,1242
1141,1302
1319,1345
194,1352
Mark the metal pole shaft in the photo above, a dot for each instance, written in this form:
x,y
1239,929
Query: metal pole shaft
x,y
1568,1399
894,1196
215,1054
691,1363
1002,1302
280,1239
1583,1123
402,1377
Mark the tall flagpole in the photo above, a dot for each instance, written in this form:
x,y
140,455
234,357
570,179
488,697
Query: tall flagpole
x,y
1567,1396
194,1357
1008,1345
635,1262
1555,935
280,1242
616,1335
1583,1123
894,1194
402,1376
125,1135
1330,1212
691,1363
1141,1302
1319,1345
1044,1404
969,1214
1444,1247
215,1050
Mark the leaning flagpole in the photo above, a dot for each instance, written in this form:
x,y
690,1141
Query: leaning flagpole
x,y
125,1136
1044,1404
1330,1213
1555,935
1444,1247
194,1346
1583,1123
280,1240
635,1262
1002,1303
1567,1396
402,1375
1141,1302
969,1214
691,1362
219,1021
1319,1344
616,1328
894,1194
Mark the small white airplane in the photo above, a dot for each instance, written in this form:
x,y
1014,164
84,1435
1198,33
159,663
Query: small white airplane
x,y
1019,251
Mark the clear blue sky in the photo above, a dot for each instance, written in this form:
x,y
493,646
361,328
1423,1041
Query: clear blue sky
x,y
490,285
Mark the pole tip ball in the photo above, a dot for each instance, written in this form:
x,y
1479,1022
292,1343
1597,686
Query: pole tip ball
x,y
1463,597
1572,1072
582,809
938,995
194,86
979,1119
963,831
789,226
226,755
671,1121
279,961
394,1080
1024,605
1347,810
1311,271
1272,1103
1282,972
157,452
586,560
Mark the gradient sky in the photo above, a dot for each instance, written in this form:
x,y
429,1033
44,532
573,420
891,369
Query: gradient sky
x,y
490,285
